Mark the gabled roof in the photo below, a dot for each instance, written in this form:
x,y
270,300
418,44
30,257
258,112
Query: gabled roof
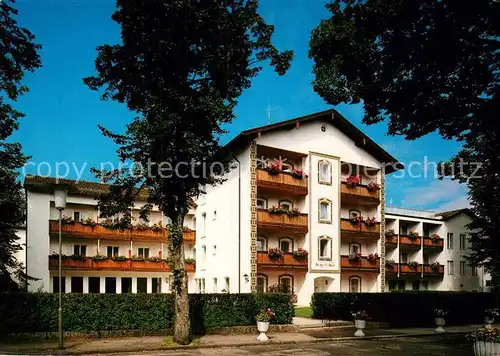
x,y
335,118
447,215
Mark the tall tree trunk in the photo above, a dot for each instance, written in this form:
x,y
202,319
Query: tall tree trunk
x,y
182,327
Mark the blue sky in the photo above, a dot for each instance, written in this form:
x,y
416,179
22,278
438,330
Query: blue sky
x,y
62,113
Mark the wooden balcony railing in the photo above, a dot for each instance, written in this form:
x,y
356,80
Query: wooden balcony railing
x,y
362,264
359,193
287,261
429,243
406,241
77,229
89,264
428,270
391,240
282,182
349,229
282,222
405,269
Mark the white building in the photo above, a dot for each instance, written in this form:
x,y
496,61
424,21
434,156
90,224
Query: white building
x,y
316,161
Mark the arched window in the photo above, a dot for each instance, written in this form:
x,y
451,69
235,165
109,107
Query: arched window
x,y
261,203
325,248
261,283
324,172
325,211
355,284
286,244
286,204
261,243
285,283
354,213
354,248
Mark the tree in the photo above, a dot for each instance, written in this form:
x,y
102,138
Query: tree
x,y
18,54
425,66
181,67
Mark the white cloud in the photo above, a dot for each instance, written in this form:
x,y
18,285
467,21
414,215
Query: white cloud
x,y
437,195
458,203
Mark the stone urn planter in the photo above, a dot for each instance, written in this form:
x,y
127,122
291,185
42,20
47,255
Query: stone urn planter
x,y
262,327
360,325
484,348
440,322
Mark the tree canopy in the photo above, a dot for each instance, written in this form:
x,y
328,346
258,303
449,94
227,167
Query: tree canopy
x,y
181,66
424,66
18,54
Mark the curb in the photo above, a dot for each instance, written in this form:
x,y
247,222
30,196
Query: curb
x,y
270,342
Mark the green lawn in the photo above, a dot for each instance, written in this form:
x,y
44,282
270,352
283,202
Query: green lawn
x,y
303,312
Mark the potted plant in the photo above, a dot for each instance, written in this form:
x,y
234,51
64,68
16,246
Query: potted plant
x,y
155,259
89,221
357,219
435,266
157,227
298,173
293,212
263,318
56,256
371,221
354,257
490,315
99,257
413,235
372,257
119,258
352,181
276,209
77,257
108,223
300,254
389,233
390,263
141,226
439,315
413,264
486,341
275,168
373,186
360,319
275,253
67,220
435,237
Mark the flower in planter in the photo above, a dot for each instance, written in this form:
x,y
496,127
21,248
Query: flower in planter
x,y
360,315
157,227
491,313
141,227
354,256
372,257
276,209
389,233
155,259
300,253
413,264
353,181
298,173
440,313
78,257
373,186
413,235
119,258
371,221
89,221
435,266
56,256
109,223
486,333
190,261
265,315
138,258
435,237
275,253
67,219
390,263
293,212
99,257
356,220
275,168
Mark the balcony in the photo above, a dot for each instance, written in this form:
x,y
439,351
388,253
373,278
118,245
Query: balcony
x,y
80,230
433,245
359,195
391,241
359,231
406,242
282,182
282,222
433,272
360,265
406,270
288,261
89,264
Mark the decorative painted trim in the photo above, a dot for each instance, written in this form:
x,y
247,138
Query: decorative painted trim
x,y
382,229
253,217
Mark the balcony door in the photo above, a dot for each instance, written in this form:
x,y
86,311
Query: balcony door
x,y
286,284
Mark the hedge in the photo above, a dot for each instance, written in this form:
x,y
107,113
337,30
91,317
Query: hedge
x,y
37,312
401,309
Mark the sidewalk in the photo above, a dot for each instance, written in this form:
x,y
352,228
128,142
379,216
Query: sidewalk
x,y
154,343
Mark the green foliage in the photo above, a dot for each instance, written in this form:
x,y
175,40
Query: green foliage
x,y
37,312
18,54
403,309
426,66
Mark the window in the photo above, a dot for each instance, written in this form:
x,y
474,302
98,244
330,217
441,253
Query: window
x,y
142,285
227,285
286,205
324,172
143,252
126,284
474,270
325,248
355,248
286,284
462,241
202,285
261,283
215,215
80,250
215,290
76,216
325,211
110,285
449,241
392,285
112,251
450,267
463,268
76,284
94,285
261,243
203,224
261,203
155,285
415,285
424,285
355,285
286,244
203,253
215,250
55,284
403,229
404,257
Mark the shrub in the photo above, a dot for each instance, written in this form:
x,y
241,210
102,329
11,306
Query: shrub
x,y
37,312
404,309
